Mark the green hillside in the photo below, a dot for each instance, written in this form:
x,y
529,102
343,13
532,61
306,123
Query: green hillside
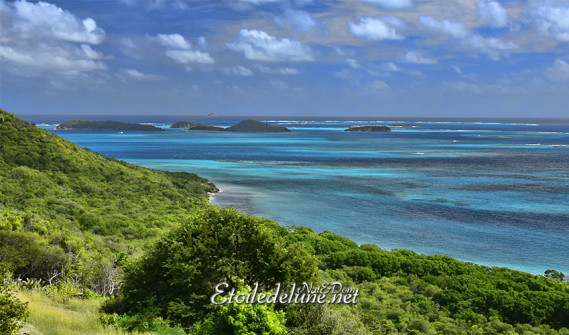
x,y
58,200
81,222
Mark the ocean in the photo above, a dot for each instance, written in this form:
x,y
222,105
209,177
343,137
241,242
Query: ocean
x,y
492,191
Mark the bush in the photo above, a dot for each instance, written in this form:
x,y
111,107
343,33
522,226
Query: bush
x,y
13,312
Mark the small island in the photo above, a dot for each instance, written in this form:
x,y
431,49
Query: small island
x,y
252,126
195,126
105,125
369,129
247,126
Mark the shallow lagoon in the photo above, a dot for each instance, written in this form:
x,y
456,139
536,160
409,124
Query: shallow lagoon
x,y
494,193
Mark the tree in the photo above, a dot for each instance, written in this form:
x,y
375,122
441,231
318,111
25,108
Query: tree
x,y
177,276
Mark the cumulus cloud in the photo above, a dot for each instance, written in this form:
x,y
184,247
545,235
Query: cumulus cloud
x,y
40,37
258,45
297,20
175,41
190,56
134,74
391,4
49,59
44,19
416,58
493,13
551,19
237,71
180,49
376,29
454,29
492,47
559,71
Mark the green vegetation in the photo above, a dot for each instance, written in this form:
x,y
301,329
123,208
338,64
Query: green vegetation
x,y
369,129
252,126
174,278
247,126
12,310
106,125
69,213
195,126
74,223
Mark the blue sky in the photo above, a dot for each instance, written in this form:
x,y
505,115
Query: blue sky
x,y
378,58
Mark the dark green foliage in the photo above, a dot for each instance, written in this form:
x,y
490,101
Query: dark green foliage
x,y
178,274
252,126
195,126
106,125
66,209
12,311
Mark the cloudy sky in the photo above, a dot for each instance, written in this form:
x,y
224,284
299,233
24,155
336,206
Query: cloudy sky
x,y
380,58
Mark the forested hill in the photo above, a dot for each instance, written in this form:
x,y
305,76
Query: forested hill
x,y
54,193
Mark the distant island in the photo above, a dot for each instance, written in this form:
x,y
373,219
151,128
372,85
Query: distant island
x,y
247,126
369,129
252,126
195,126
106,125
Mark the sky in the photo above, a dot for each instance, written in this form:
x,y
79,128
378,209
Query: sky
x,y
374,58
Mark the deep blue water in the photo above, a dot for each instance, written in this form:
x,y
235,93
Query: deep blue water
x,y
494,192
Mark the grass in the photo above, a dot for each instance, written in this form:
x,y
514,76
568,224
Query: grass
x,y
54,316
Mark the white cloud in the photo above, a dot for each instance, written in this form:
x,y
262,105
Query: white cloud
x,y
288,71
134,74
237,71
416,58
379,85
89,53
175,41
559,71
180,50
552,20
40,38
59,60
258,45
47,20
376,29
490,46
493,13
297,20
391,4
202,42
190,56
282,70
353,63
454,29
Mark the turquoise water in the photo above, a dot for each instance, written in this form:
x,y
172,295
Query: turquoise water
x,y
490,192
